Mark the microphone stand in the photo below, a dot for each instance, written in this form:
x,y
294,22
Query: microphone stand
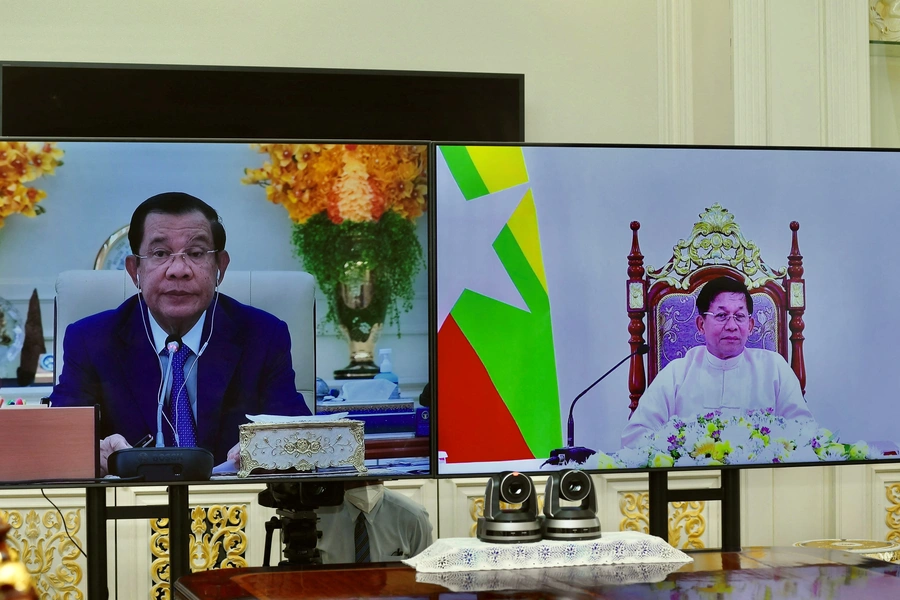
x,y
172,344
580,454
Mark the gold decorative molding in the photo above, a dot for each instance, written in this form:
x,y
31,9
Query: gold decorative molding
x,y
716,239
159,567
302,446
686,519
892,518
39,538
218,541
219,538
635,509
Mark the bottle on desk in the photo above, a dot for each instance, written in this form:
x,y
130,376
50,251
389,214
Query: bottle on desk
x,y
387,371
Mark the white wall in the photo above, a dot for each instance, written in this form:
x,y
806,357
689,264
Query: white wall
x,y
590,67
713,106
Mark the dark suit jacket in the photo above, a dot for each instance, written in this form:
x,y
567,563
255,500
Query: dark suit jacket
x,y
245,369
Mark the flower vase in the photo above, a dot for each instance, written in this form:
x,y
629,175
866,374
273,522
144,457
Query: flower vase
x,y
361,301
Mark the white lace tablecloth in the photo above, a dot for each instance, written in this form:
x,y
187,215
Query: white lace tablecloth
x,y
572,580
471,554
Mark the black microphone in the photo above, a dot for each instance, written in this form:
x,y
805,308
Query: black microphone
x,y
160,463
173,339
173,343
576,453
570,438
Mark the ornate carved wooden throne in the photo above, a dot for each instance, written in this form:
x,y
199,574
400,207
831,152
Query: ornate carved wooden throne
x,y
715,248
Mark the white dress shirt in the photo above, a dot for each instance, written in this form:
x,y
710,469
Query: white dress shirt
x,y
700,382
398,528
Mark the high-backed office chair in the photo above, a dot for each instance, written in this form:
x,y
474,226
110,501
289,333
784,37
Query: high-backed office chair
x,y
289,295
667,296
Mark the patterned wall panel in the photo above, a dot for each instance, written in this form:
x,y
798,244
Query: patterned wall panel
x,y
227,530
884,490
218,541
227,527
39,537
779,506
687,520
40,540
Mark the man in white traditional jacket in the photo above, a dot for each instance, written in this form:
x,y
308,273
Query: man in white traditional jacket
x,y
722,375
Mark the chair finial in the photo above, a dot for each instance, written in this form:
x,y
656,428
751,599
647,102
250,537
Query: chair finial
x,y
795,288
637,305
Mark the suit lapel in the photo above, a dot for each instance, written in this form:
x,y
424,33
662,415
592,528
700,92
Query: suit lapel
x,y
215,369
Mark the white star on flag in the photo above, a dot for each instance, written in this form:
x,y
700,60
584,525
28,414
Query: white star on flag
x,y
465,233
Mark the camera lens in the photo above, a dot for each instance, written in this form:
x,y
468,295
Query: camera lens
x,y
317,494
515,488
574,485
315,490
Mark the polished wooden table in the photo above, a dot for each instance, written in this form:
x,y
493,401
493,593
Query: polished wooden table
x,y
771,573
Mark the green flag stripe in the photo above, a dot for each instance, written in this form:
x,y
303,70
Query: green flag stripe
x,y
516,348
464,172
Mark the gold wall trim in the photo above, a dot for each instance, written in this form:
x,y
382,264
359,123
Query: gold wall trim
x,y
892,516
218,541
687,520
635,509
39,538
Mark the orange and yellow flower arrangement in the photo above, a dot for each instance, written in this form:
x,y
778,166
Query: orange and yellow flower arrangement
x,y
20,164
354,208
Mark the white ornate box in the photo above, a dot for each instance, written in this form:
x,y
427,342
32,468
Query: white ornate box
x,y
304,446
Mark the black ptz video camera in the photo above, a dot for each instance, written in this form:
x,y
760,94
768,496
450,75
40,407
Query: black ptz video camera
x,y
509,525
578,522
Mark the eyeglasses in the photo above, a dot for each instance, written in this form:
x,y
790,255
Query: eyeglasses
x,y
193,256
739,318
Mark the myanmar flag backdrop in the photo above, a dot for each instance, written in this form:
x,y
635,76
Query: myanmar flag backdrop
x,y
497,381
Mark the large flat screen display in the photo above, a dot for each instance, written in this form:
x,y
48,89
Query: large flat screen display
x,y
552,264
287,206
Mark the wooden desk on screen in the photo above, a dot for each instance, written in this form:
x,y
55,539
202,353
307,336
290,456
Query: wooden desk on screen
x,y
397,447
775,573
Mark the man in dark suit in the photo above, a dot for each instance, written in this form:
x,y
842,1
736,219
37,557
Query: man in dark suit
x,y
236,359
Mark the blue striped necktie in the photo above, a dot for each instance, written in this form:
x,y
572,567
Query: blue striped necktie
x,y
361,537
181,416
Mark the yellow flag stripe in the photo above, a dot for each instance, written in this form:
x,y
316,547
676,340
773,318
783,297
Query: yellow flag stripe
x,y
524,227
500,167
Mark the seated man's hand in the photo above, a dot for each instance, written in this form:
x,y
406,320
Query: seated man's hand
x,y
234,455
109,445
